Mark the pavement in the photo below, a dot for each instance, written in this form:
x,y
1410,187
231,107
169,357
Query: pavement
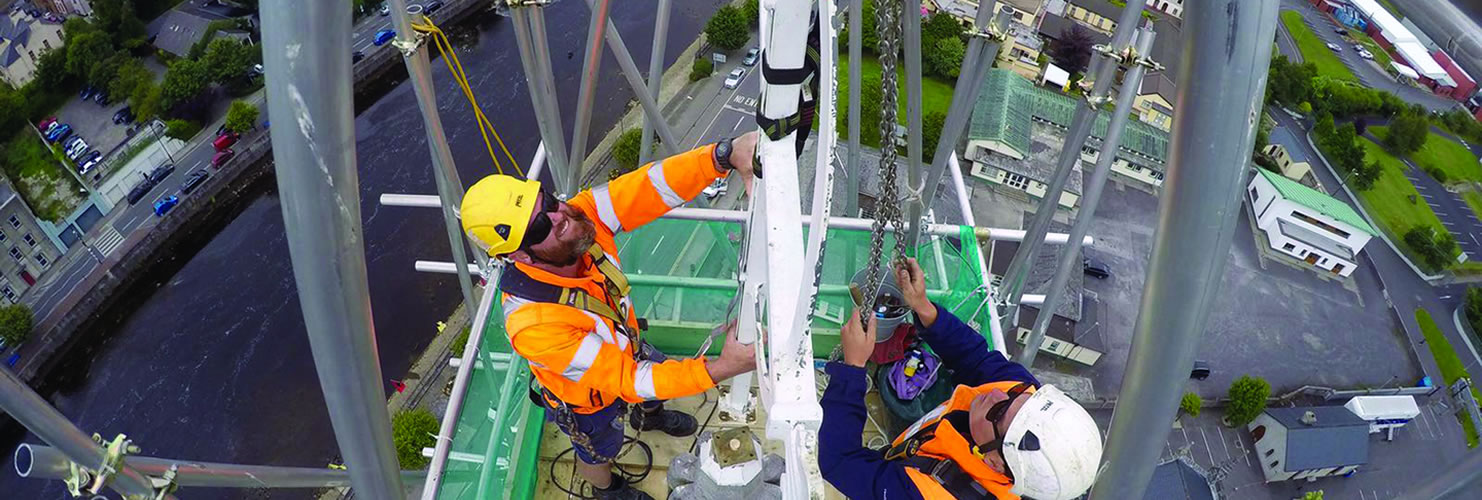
x,y
1368,72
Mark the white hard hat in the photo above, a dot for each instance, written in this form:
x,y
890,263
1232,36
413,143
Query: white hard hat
x,y
1052,446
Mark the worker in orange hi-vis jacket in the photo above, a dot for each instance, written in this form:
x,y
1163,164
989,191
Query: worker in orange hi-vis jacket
x,y
567,309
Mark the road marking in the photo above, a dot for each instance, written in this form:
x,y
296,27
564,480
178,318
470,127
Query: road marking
x,y
110,240
1223,444
1207,449
738,110
717,112
738,123
1441,213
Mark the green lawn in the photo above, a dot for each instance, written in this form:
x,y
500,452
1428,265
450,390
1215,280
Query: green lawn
x,y
1443,154
1450,364
36,171
1380,55
1389,201
1314,50
936,94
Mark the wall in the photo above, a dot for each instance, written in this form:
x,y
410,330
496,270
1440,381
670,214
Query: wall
x,y
1271,210
1035,189
1274,442
1146,108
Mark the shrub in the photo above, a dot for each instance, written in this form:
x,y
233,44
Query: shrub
x,y
461,342
182,129
413,430
1247,399
701,69
727,28
241,117
1434,248
15,324
1437,174
625,151
1190,404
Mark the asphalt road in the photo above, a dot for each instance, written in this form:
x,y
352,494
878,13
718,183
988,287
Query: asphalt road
x,y
1454,213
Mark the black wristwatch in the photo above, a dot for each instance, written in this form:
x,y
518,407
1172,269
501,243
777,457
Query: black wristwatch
x,y
723,155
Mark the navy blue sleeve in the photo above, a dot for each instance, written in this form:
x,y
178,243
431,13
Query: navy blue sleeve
x,y
856,471
965,351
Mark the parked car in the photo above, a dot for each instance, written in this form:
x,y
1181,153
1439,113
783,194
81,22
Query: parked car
x,y
222,157
1340,31
433,7
101,98
1366,54
751,56
224,141
161,172
139,190
60,133
1095,268
49,128
124,114
87,92
734,79
717,188
75,148
356,56
385,9
1335,47
90,161
164,205
194,181
46,123
384,36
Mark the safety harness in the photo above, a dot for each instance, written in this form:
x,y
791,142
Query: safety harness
x,y
944,471
521,285
807,76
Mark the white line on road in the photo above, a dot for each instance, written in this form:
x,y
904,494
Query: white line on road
x,y
1207,449
717,112
1223,443
738,123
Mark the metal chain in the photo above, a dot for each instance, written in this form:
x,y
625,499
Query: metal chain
x,y
887,208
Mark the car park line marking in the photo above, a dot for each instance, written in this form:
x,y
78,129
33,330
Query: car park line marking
x,y
1223,444
1207,449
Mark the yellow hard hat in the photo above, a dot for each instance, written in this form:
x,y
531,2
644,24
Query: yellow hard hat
x,y
496,212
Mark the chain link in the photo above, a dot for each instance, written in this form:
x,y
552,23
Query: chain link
x,y
887,204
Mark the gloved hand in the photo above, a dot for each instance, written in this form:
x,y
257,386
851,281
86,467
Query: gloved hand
x,y
912,282
857,341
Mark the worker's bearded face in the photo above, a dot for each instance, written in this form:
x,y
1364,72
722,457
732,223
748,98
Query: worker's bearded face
x,y
572,233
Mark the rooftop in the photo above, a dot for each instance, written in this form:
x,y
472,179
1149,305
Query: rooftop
x,y
177,30
1311,198
944,207
1041,272
1336,439
1039,163
1008,103
1179,479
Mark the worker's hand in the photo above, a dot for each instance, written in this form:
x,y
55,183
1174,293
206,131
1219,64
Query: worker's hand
x,y
735,358
912,282
857,340
743,157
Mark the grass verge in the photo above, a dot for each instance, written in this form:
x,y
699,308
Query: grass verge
x,y
1443,154
1313,49
36,171
936,94
1450,364
1393,201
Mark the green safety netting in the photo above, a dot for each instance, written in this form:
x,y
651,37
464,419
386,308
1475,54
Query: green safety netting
x,y
684,277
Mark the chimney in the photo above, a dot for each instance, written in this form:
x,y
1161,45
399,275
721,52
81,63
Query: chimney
x,y
1309,418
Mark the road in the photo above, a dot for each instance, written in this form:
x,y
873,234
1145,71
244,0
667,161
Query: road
x,y
1369,73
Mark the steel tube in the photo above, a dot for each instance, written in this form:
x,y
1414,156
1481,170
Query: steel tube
x,y
1070,261
1080,128
651,109
1227,51
588,92
911,39
976,61
39,417
449,186
963,202
303,44
853,172
45,462
1448,483
535,55
655,78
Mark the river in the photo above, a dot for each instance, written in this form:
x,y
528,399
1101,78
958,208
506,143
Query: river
x,y
213,362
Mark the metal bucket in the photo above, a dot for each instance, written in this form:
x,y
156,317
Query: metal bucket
x,y
890,308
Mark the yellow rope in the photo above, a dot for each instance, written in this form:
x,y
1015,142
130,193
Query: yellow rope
x,y
486,127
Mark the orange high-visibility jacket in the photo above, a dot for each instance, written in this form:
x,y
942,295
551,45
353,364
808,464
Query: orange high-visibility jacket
x,y
947,443
580,357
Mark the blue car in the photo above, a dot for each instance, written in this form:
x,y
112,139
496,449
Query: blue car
x,y
59,133
164,205
384,36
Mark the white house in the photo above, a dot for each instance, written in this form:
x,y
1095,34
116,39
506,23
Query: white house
x,y
1306,224
1309,443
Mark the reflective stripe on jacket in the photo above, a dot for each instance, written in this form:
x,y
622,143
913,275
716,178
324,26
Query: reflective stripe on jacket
x,y
587,360
947,443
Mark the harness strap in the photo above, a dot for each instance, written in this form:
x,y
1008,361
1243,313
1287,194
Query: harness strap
x,y
951,476
518,283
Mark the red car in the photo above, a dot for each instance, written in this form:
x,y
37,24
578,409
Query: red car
x,y
46,123
222,157
224,141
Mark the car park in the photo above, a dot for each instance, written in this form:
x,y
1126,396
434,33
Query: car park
x,y
47,123
222,157
164,205
49,128
751,57
734,79
194,180
224,141
384,36
75,148
87,93
123,115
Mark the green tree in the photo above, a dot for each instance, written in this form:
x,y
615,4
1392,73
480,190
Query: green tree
x,y
129,77
1474,308
931,133
1247,399
15,324
1435,249
946,58
1324,126
1190,404
701,69
147,100
184,80
727,28
940,26
182,129
105,72
227,59
1407,133
1312,495
625,150
870,94
86,50
241,117
752,11
117,18
413,430
1364,177
1072,52
51,69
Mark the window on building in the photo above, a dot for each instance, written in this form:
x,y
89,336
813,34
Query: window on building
x,y
41,259
32,53
15,253
29,240
9,293
2,236
15,222
1275,463
1288,247
1258,433
1270,451
46,44
1320,224
1016,180
1253,195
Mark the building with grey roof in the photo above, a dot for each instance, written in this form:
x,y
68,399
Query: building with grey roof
x,y
177,30
1309,442
1180,479
25,35
1041,272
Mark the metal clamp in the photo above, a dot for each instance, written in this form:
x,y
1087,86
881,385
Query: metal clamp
x,y
992,34
165,485
409,46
